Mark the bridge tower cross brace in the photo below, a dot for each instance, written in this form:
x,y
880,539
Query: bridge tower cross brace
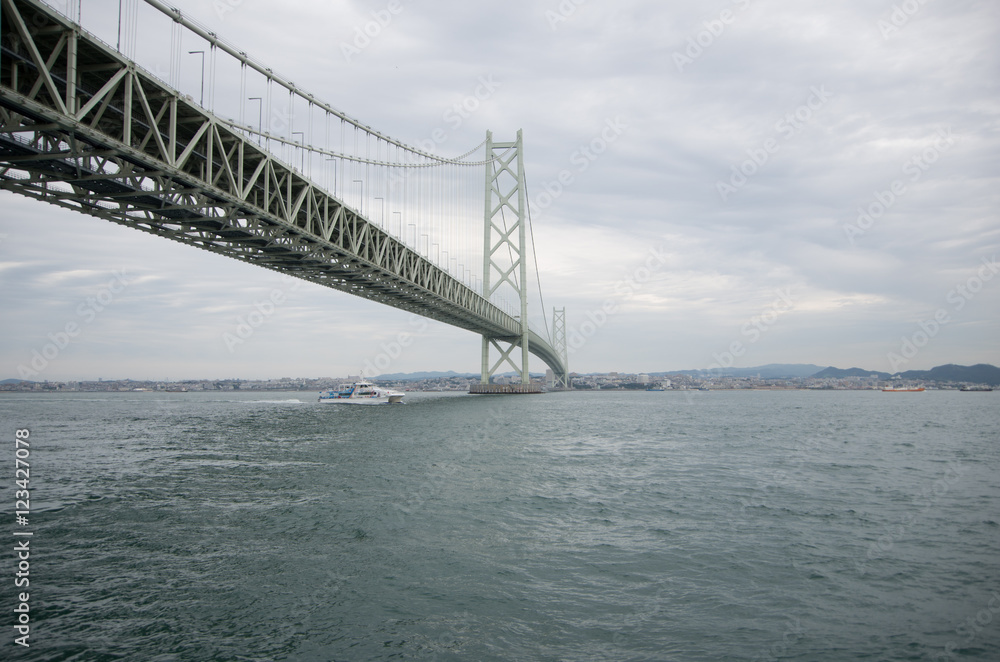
x,y
504,246
559,343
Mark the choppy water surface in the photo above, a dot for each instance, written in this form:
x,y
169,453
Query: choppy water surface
x,y
574,526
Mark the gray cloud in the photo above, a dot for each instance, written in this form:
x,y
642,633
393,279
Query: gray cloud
x,y
891,91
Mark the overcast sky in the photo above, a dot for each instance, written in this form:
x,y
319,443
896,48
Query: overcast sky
x,y
778,182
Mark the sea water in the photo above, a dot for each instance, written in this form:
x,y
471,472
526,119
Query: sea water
x,y
723,525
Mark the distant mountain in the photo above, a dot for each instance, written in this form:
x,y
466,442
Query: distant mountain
x,y
14,381
980,373
975,374
770,371
417,376
838,373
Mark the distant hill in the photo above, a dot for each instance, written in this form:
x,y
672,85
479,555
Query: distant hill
x,y
839,373
975,374
770,371
416,376
14,381
980,373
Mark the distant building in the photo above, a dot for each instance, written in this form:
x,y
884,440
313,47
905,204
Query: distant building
x,y
643,379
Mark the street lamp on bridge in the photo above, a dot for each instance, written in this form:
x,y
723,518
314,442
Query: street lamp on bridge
x,y
361,207
260,116
381,220
201,101
302,147
334,159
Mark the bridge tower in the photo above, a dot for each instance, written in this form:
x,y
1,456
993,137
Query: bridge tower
x,y
505,248
559,343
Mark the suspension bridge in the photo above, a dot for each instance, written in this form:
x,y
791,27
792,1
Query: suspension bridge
x,y
310,192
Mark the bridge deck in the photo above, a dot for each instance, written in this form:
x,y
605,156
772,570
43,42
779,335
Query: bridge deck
x,y
82,127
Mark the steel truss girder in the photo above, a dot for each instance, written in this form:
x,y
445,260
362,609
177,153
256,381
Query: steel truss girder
x,y
83,128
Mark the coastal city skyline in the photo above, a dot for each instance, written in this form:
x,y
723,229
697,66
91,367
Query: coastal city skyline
x,y
797,376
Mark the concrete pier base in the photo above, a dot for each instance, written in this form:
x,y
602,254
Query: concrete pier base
x,y
505,389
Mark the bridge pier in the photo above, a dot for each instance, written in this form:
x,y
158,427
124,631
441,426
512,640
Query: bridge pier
x,y
505,389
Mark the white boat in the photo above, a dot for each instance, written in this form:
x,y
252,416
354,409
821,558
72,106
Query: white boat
x,y
362,393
